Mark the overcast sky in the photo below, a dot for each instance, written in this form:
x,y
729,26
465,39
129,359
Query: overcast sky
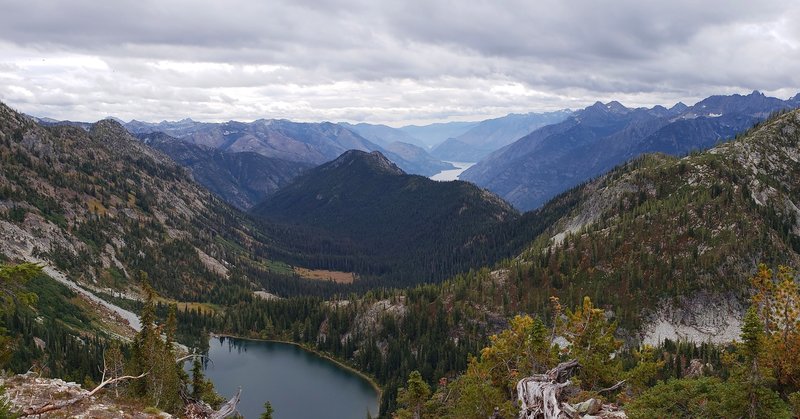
x,y
385,61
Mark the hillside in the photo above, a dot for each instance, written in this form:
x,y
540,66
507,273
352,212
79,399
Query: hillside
x,y
100,206
242,179
670,242
493,134
392,216
550,160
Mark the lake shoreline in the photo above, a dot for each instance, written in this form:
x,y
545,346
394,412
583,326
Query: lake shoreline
x,y
372,382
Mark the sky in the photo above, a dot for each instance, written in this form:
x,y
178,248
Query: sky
x,y
388,61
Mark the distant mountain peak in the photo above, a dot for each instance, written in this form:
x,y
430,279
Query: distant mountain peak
x,y
114,118
679,107
112,126
374,160
610,107
615,106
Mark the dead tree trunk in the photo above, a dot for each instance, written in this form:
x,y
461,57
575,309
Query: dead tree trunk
x,y
229,408
539,394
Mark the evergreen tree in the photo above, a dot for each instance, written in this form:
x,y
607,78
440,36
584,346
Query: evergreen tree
x,y
268,411
203,388
156,357
522,349
12,295
412,398
593,344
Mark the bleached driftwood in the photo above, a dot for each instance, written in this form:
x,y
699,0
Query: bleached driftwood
x,y
198,409
539,394
229,408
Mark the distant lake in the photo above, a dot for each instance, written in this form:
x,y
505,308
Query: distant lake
x,y
298,383
453,174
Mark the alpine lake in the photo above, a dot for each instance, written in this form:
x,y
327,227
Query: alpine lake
x,y
298,383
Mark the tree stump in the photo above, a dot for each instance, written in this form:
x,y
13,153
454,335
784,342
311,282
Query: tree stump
x,y
539,395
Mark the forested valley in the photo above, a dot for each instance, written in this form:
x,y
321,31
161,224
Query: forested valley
x,y
572,285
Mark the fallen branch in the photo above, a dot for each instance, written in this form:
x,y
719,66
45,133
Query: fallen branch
x,y
613,388
49,407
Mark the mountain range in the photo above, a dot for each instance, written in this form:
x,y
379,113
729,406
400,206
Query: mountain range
x,y
664,244
537,167
493,134
312,143
433,134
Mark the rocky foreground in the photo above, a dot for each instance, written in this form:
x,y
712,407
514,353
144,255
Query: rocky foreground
x,y
29,391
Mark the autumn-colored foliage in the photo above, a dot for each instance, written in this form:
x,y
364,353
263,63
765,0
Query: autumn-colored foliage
x,y
777,303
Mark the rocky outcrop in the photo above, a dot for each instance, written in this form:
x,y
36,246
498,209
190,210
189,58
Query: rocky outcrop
x,y
27,390
701,317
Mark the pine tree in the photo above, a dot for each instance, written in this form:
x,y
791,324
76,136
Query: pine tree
x,y
150,354
412,398
593,343
268,411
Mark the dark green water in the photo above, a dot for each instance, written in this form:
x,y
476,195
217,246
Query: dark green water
x,y
299,384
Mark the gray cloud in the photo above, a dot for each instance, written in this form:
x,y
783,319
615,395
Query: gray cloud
x,y
390,61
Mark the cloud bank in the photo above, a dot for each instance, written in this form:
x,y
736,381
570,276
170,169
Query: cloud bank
x,y
390,61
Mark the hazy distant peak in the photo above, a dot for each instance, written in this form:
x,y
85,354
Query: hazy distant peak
x,y
679,107
616,107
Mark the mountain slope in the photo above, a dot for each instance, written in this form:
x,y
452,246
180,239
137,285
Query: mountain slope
x,y
493,134
392,216
100,206
670,243
592,141
242,179
414,160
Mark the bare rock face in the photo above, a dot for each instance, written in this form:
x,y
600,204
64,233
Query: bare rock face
x,y
701,317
